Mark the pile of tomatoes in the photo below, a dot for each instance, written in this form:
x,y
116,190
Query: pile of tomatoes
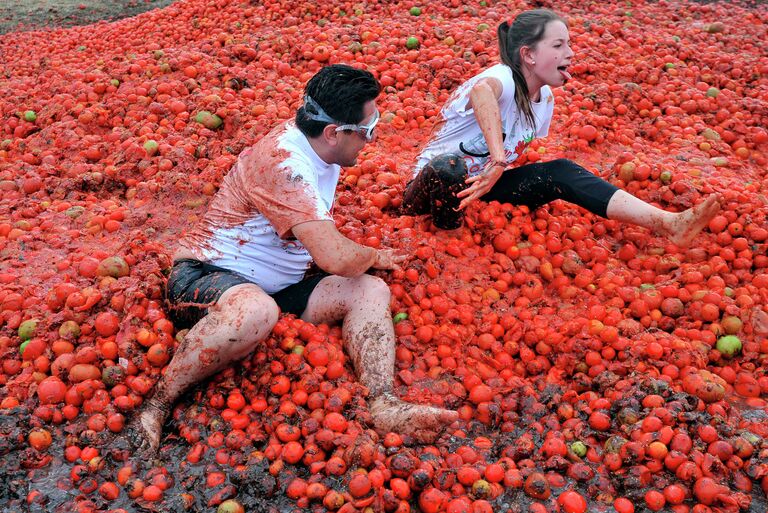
x,y
594,366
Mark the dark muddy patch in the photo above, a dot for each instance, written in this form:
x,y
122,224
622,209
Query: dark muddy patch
x,y
24,15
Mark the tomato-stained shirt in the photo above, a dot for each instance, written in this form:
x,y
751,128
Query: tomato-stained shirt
x,y
458,131
276,184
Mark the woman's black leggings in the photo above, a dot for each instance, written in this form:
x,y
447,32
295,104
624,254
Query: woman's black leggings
x,y
434,189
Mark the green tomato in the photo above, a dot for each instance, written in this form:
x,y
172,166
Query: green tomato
x,y
230,506
69,330
412,43
751,438
150,147
400,316
415,11
30,116
579,449
23,346
729,345
731,324
665,176
74,211
481,489
111,376
27,329
210,121
114,266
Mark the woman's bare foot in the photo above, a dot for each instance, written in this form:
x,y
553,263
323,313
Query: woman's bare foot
x,y
145,429
423,424
682,228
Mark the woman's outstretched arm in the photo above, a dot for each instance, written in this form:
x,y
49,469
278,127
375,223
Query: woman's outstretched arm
x,y
484,100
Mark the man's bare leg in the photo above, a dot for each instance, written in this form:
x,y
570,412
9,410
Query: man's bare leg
x,y
243,316
363,303
680,227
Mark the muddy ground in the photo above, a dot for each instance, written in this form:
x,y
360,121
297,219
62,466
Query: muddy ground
x,y
18,15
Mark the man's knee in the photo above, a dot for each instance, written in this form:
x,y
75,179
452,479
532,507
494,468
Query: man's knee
x,y
373,287
262,315
251,309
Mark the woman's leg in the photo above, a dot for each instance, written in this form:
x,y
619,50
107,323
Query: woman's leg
x,y
537,184
434,191
679,227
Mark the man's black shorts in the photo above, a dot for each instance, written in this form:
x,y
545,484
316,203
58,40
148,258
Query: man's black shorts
x,y
193,286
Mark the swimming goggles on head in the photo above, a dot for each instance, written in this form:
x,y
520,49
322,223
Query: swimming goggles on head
x,y
320,115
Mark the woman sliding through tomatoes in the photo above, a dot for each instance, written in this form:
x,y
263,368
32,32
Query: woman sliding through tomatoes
x,y
490,120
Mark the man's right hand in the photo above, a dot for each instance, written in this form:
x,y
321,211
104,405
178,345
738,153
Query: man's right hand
x,y
388,259
336,254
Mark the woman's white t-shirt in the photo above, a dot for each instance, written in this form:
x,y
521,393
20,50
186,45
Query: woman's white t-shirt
x,y
458,131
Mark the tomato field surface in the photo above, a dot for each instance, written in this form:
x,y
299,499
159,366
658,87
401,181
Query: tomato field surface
x,y
595,367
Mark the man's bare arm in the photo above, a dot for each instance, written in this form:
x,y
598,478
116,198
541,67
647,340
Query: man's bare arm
x,y
336,254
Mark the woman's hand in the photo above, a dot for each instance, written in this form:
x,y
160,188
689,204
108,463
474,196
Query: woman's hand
x,y
480,184
484,100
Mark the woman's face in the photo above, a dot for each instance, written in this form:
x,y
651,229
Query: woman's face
x,y
549,59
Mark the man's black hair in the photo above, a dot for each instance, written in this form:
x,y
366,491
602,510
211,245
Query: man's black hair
x,y
341,91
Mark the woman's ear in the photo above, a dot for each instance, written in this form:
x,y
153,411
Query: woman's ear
x,y
526,56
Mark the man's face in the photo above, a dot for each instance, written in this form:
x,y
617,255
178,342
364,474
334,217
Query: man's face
x,y
351,142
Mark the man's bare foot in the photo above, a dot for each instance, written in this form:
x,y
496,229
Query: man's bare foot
x,y
421,423
145,430
682,228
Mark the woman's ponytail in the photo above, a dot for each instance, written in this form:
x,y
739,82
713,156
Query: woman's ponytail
x,y
502,33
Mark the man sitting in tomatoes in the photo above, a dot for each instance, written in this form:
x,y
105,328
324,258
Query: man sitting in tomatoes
x,y
249,259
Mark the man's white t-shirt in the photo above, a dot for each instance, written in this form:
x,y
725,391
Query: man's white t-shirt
x,y
274,185
458,131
